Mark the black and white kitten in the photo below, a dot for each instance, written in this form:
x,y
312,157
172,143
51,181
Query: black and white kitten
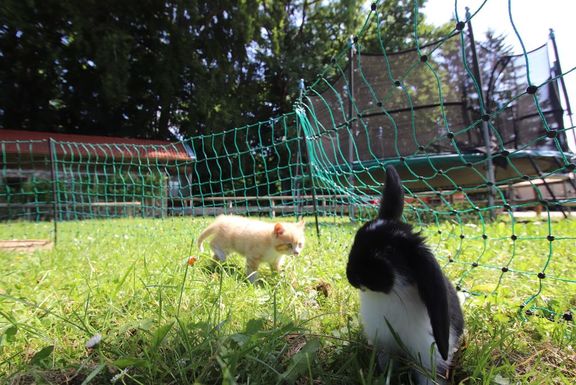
x,y
404,289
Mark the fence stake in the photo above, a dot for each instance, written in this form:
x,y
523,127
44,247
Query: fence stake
x,y
351,123
558,72
483,110
54,189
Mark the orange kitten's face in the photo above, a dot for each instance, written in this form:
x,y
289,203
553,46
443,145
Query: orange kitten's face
x,y
290,246
289,238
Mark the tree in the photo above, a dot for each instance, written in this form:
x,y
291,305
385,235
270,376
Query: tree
x,y
142,68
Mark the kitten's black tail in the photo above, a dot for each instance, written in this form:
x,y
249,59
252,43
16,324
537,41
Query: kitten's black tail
x,y
392,203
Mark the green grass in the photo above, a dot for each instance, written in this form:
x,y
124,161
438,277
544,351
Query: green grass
x,y
165,322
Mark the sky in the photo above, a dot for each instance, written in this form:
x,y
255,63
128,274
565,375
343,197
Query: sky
x,y
532,18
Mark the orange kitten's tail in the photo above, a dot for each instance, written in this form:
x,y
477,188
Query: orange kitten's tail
x,y
205,234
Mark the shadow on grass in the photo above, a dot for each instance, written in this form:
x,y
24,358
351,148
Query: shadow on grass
x,y
185,351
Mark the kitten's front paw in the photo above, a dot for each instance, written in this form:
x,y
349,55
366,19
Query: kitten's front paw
x,y
277,265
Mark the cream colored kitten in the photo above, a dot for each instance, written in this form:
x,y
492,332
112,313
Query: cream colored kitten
x,y
256,240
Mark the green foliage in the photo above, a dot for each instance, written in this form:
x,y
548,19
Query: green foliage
x,y
99,67
41,355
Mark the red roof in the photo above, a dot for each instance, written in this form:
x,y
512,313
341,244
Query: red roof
x,y
38,143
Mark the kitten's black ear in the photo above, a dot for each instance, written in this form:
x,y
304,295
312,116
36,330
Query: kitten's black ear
x,y
393,196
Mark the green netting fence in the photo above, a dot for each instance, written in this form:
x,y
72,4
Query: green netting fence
x,y
479,140
244,170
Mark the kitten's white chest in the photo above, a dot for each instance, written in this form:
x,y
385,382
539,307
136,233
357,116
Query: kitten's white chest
x,y
407,316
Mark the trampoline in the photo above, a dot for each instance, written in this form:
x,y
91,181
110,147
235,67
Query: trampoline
x,y
426,118
449,171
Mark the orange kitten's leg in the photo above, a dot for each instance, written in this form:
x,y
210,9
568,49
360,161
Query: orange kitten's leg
x,y
277,264
252,268
219,254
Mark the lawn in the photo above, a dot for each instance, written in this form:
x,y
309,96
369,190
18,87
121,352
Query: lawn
x,y
125,287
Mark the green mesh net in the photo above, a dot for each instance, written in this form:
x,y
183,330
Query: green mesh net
x,y
479,141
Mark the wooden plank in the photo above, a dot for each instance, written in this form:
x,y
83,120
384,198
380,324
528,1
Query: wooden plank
x,y
81,204
266,197
28,245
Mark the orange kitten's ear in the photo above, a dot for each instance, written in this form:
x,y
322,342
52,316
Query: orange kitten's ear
x,y
301,223
278,229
